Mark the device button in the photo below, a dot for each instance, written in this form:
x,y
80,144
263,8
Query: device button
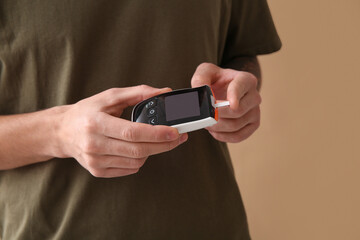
x,y
150,104
151,112
153,121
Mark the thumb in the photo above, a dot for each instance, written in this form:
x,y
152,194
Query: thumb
x,y
205,74
148,92
124,97
133,95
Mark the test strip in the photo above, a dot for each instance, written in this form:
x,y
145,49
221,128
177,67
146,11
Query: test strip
x,y
221,104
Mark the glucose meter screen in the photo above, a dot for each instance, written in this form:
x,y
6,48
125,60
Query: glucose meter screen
x,y
182,106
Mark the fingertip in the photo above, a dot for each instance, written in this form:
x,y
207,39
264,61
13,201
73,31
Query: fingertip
x,y
184,137
209,128
234,103
212,133
172,134
149,91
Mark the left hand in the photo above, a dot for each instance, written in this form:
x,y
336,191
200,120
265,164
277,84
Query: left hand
x,y
239,120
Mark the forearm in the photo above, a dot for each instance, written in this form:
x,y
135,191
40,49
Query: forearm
x,y
248,64
29,138
88,131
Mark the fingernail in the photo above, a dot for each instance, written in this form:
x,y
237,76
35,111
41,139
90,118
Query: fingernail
x,y
172,135
183,138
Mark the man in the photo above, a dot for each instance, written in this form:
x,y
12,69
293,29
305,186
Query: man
x,y
69,155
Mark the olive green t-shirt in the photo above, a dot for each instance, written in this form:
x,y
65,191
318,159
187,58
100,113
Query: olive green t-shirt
x,y
59,52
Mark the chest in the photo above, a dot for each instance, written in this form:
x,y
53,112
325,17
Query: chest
x,y
44,20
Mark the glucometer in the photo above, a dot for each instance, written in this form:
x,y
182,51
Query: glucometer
x,y
186,109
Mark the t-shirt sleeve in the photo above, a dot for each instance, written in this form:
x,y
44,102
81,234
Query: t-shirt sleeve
x,y
251,30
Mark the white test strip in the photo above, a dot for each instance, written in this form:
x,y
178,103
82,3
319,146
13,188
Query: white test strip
x,y
221,104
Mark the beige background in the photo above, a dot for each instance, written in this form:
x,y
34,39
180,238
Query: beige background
x,y
300,173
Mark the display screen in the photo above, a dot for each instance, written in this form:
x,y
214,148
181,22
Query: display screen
x,y
182,106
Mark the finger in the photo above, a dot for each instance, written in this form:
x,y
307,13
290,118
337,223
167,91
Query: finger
x,y
251,100
126,96
235,124
205,74
118,172
239,87
238,136
138,150
136,132
112,172
107,161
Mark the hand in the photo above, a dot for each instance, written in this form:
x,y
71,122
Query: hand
x,y
108,146
238,121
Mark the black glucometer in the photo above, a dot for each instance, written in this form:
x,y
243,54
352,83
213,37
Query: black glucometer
x,y
185,109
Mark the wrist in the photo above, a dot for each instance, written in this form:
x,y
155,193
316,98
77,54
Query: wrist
x,y
30,137
54,120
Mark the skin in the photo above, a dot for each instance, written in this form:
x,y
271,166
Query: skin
x,y
108,146
246,64
89,131
240,87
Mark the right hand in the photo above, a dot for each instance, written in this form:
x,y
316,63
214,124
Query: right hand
x,y
108,146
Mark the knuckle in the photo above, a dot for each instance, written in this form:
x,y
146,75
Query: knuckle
x,y
196,79
112,92
90,124
253,116
258,99
238,138
245,133
235,124
241,109
235,138
92,162
201,71
100,120
219,137
144,89
244,120
90,146
252,79
137,152
112,95
137,163
133,171
205,65
158,136
143,86
129,133
99,173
